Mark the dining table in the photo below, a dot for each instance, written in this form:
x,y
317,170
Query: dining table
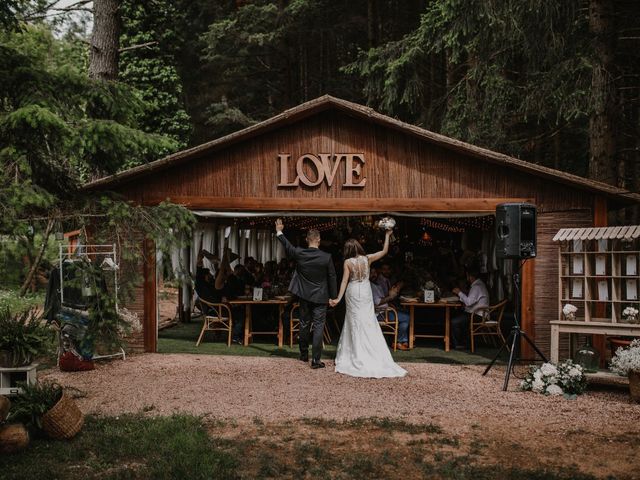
x,y
248,322
447,306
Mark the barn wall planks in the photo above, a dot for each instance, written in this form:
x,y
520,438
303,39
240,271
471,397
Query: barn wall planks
x,y
546,271
397,166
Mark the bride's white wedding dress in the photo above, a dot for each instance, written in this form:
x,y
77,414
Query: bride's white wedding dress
x,y
362,349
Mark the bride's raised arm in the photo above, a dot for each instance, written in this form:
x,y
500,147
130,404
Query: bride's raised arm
x,y
343,284
378,255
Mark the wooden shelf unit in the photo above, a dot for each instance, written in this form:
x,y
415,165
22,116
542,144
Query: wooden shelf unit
x,y
601,277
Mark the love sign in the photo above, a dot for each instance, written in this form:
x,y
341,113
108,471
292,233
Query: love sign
x,y
311,170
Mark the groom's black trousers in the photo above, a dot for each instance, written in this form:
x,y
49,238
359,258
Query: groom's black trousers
x,y
312,315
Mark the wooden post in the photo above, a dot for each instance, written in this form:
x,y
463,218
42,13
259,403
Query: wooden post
x,y
527,309
600,220
150,320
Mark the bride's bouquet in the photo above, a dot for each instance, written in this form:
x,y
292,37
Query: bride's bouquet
x,y
386,223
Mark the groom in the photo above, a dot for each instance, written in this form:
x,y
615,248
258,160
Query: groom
x,y
314,282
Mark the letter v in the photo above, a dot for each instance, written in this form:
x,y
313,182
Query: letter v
x,y
329,172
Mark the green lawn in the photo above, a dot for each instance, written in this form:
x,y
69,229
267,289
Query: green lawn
x,y
182,339
187,447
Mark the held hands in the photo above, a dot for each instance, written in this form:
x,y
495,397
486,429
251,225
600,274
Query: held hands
x,y
279,225
333,302
456,290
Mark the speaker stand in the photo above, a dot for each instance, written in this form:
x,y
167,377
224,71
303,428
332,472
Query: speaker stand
x,y
515,337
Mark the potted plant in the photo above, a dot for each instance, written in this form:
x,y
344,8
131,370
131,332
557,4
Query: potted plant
x,y
626,361
22,337
44,406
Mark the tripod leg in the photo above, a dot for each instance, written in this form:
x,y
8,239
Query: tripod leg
x,y
512,355
533,345
504,345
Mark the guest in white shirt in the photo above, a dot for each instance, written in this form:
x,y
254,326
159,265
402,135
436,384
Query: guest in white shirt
x,y
478,296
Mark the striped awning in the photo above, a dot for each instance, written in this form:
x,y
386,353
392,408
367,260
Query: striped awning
x,y
627,232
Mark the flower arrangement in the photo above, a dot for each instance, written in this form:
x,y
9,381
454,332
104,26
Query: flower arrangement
x,y
566,378
630,314
569,311
627,360
386,223
131,321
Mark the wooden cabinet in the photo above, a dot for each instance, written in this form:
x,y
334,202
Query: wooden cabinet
x,y
599,274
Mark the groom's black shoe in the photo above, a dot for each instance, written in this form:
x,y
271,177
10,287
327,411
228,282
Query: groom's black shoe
x,y
315,365
304,357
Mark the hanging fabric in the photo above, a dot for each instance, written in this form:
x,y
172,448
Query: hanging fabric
x,y
244,234
253,244
234,241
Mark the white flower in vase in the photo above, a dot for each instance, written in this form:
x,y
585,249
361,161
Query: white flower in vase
x,y
630,314
569,311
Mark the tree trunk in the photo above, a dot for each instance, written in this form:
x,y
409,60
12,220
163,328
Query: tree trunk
x,y
105,40
602,140
36,262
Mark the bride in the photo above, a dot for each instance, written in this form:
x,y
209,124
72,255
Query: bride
x,y
362,349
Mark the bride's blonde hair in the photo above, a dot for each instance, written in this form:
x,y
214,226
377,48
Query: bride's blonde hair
x,y
352,248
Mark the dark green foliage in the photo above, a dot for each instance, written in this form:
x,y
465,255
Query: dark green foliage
x,y
33,402
57,127
23,335
152,70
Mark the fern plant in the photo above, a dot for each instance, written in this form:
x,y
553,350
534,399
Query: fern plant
x,y
33,402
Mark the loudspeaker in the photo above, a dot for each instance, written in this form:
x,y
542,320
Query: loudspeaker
x,y
515,230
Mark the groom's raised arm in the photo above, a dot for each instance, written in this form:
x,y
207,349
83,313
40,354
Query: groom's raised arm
x,y
289,249
333,286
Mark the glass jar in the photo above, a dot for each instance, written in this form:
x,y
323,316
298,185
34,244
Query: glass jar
x,y
588,357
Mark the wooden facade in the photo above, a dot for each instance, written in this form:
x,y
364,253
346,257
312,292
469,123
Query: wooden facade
x,y
407,169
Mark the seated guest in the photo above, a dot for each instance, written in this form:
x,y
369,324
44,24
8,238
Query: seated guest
x,y
381,301
235,287
478,296
205,285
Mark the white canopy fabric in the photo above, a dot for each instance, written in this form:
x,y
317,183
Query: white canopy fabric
x,y
628,232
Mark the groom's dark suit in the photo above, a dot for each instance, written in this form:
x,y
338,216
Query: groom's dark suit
x,y
314,282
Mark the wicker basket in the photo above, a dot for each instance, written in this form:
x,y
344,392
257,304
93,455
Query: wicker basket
x,y
64,420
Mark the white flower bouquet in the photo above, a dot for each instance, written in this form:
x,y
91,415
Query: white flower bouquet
x,y
386,223
565,378
130,322
569,311
630,314
627,360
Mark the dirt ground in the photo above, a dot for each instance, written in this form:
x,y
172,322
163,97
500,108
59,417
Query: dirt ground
x,y
246,397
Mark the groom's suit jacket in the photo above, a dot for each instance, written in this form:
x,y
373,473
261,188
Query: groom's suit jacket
x,y
315,277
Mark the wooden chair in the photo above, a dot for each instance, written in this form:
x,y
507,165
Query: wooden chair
x,y
217,317
486,321
294,325
388,326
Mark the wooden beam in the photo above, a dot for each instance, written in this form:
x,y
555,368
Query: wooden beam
x,y
325,204
150,320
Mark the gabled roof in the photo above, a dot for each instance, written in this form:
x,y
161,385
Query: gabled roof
x,y
328,102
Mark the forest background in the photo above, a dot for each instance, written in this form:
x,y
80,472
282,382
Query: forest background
x,y
89,88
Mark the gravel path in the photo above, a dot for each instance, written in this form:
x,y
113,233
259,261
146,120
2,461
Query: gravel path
x,y
598,431
278,389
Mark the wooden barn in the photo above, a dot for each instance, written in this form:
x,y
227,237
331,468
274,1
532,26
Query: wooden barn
x,y
332,156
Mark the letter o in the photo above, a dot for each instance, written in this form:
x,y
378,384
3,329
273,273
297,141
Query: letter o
x,y
318,168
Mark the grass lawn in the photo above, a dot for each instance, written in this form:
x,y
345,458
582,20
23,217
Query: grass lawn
x,y
182,339
139,447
